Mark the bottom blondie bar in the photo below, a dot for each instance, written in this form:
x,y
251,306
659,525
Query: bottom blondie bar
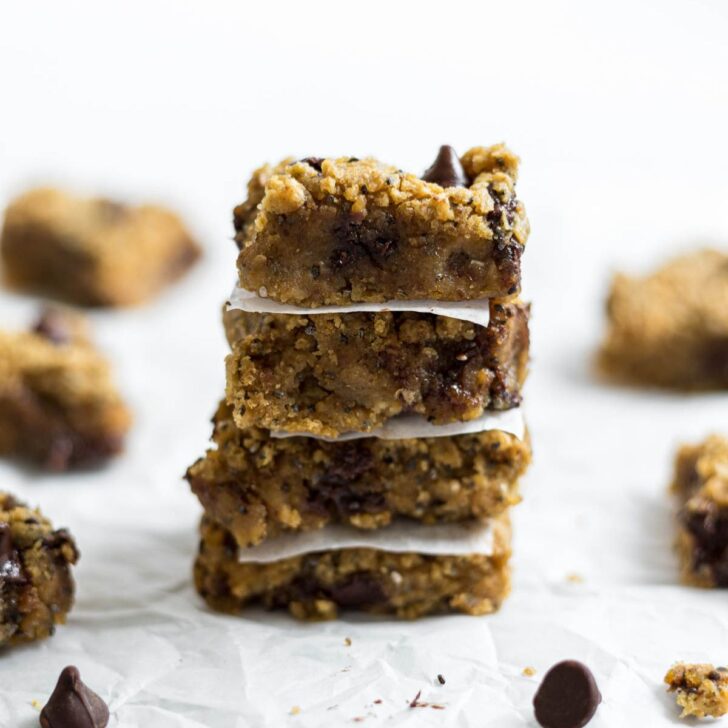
x,y
316,585
701,484
36,586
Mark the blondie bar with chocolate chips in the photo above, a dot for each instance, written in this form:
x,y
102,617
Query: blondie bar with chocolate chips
x,y
258,486
340,231
670,328
36,585
59,406
316,585
701,485
92,251
328,374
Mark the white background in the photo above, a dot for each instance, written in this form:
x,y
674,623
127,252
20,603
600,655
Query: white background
x,y
619,111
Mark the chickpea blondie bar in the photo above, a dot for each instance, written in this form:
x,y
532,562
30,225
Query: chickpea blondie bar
x,y
317,585
670,328
36,585
328,374
337,231
700,690
59,406
92,251
258,486
701,485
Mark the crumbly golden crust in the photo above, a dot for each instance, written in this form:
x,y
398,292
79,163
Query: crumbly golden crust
x,y
331,373
36,585
257,486
670,328
701,484
58,403
316,586
337,231
700,690
92,251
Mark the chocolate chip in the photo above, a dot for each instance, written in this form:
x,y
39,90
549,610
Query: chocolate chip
x,y
441,679
446,170
314,162
11,568
112,212
73,704
568,697
52,325
358,590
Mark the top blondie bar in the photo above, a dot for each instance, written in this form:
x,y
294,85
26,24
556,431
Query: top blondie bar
x,y
319,232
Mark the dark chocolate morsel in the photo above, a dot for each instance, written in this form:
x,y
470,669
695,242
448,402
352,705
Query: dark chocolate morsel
x,y
11,568
446,170
359,590
52,326
314,162
568,697
73,704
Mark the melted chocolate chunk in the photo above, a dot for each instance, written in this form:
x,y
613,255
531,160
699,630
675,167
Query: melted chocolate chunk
x,y
359,590
52,325
338,489
446,170
11,567
73,704
709,527
314,162
568,697
376,238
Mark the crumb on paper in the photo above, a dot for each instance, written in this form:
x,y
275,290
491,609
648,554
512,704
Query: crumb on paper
x,y
415,701
378,701
700,690
575,578
36,704
441,679
347,641
295,710
528,671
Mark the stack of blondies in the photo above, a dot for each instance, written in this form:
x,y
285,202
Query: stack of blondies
x,y
371,441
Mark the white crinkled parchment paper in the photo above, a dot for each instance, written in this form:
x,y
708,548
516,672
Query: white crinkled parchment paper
x,y
594,575
476,311
406,426
401,537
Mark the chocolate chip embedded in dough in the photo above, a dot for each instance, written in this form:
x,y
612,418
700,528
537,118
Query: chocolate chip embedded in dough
x,y
73,705
11,568
568,697
446,170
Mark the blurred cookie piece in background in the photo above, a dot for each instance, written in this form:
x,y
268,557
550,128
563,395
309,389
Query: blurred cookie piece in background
x,y
59,405
670,328
92,251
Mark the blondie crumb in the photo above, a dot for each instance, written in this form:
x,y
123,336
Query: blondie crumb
x,y
670,328
92,251
258,486
338,231
327,374
701,485
700,690
317,585
36,585
59,406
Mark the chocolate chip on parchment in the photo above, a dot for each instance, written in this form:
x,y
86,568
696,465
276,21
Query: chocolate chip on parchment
x,y
446,170
568,697
74,705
